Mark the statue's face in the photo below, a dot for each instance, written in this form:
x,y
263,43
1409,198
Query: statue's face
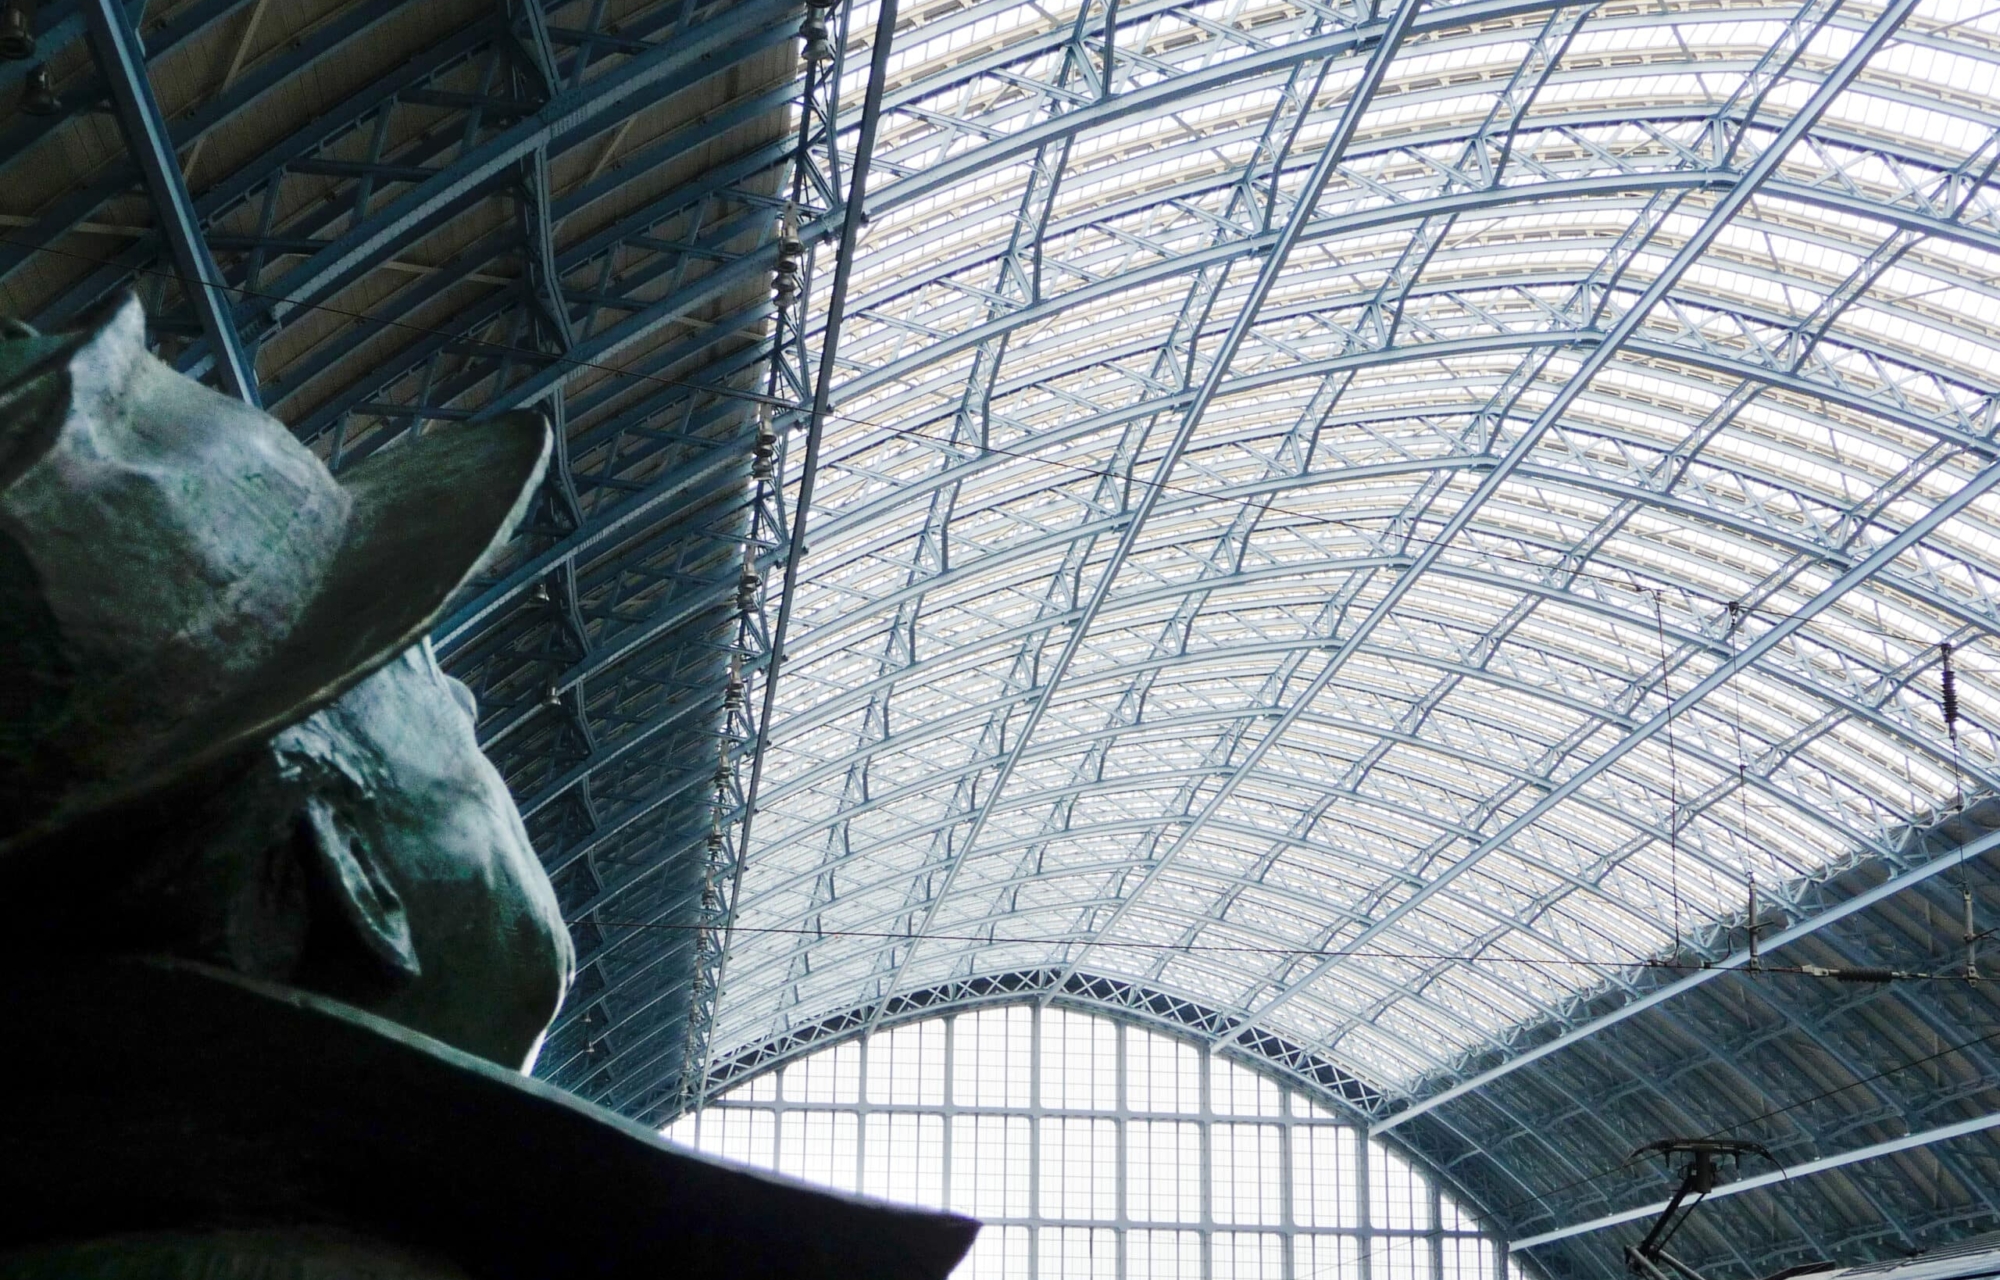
x,y
436,871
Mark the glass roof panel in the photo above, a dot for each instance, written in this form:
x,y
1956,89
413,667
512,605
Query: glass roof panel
x,y
1477,619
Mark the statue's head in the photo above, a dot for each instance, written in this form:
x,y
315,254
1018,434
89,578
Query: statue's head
x,y
223,737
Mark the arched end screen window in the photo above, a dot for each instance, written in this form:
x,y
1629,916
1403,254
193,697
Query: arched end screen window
x,y
1096,1151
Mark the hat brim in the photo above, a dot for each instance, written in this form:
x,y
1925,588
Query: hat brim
x,y
428,513
163,1095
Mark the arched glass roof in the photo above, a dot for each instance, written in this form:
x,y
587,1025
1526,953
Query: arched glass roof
x,y
1372,521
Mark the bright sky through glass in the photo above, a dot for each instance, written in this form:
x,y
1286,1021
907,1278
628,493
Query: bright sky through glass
x,y
1095,1151
1353,728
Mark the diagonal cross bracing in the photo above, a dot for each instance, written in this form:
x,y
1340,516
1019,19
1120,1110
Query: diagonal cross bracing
x,y
1797,350
1018,284
1481,161
1357,104
864,147
1794,351
1692,249
1812,19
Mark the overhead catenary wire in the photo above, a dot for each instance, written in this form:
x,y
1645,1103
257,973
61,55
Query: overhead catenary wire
x,y
1673,774
1738,1126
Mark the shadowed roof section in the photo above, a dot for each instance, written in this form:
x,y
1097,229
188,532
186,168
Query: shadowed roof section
x,y
426,213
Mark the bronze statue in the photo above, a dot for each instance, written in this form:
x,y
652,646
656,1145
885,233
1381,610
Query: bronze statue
x,y
369,852
229,744
270,923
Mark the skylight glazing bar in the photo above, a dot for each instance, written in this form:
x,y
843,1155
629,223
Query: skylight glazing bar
x,y
1018,284
1666,469
1698,242
1350,119
1908,538
1483,161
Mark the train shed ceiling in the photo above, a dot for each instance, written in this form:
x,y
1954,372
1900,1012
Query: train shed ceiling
x,y
1359,529
1349,531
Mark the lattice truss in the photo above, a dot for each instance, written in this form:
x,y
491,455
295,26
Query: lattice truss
x,y
1363,523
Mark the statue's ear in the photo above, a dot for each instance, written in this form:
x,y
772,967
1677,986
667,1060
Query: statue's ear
x,y
362,896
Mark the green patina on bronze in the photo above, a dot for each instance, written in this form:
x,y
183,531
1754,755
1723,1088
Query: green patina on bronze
x,y
223,744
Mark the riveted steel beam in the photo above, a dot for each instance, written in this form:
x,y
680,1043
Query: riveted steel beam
x,y
122,61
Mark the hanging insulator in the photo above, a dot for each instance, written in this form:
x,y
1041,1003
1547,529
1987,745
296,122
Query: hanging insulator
x,y
1751,921
38,94
818,49
791,260
732,695
746,589
540,595
721,777
17,31
552,697
764,452
1971,938
1950,692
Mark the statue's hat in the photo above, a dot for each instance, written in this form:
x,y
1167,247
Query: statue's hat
x,y
181,578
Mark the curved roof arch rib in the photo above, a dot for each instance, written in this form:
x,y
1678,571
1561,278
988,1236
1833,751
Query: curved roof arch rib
x,y
1348,531
1375,523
